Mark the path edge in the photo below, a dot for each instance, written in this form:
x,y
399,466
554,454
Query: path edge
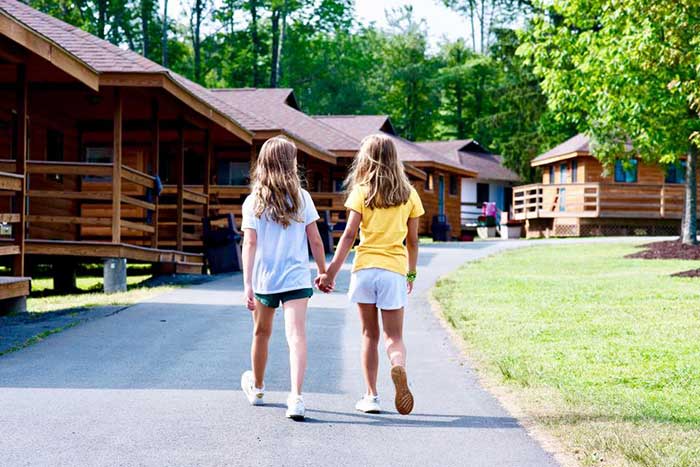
x,y
501,393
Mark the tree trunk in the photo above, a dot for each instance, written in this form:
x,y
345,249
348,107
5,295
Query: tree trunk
x,y
101,18
275,46
146,9
196,24
689,235
283,37
164,35
255,41
471,17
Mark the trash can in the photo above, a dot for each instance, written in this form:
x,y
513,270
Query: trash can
x,y
440,228
222,244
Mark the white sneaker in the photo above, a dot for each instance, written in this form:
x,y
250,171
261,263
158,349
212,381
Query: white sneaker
x,y
295,407
368,404
254,395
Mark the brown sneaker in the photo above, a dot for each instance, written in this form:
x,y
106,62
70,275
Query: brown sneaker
x,y
404,398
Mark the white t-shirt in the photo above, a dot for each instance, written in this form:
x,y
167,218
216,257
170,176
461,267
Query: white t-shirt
x,y
282,255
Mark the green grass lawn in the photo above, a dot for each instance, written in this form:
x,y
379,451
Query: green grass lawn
x,y
602,351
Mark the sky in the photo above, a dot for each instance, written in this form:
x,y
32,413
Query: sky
x,y
441,21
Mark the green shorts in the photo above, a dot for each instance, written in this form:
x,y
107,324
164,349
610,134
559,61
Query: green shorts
x,y
273,300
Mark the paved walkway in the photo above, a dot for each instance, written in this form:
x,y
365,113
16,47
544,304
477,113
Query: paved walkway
x,y
158,384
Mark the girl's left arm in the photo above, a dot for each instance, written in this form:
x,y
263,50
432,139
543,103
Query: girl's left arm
x,y
412,248
250,243
316,245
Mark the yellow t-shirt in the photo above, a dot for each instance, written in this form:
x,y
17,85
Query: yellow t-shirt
x,y
382,232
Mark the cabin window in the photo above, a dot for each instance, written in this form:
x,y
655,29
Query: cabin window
x,y
482,194
430,182
551,174
675,173
338,186
574,171
562,173
54,151
233,173
626,173
98,155
454,185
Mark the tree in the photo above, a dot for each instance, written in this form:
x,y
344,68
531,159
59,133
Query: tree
x,y
627,71
411,96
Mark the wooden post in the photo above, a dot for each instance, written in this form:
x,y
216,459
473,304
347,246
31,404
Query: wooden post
x,y
155,165
21,167
180,173
209,151
117,168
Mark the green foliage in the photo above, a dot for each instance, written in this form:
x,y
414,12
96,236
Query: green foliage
x,y
338,66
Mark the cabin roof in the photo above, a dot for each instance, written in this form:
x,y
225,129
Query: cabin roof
x,y
575,146
102,58
473,155
279,106
361,126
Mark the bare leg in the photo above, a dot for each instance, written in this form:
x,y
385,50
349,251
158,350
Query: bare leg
x,y
295,330
370,341
392,322
262,330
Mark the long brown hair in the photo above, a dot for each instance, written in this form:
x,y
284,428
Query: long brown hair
x,y
377,168
276,184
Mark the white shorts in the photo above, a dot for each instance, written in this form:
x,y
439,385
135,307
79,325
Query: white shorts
x,y
384,288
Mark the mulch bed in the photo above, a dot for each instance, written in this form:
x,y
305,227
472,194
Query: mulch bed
x,y
667,250
670,250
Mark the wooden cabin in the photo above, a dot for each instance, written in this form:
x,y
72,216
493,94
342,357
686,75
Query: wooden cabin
x,y
494,182
579,197
441,187
325,153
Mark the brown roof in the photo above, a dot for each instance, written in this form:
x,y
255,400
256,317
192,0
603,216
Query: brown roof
x,y
360,126
104,57
472,155
576,144
273,105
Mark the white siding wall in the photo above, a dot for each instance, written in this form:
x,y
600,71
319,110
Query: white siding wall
x,y
469,213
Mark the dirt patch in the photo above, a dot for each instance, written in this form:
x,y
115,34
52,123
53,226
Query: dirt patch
x,y
667,250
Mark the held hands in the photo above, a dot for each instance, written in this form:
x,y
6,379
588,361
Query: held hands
x,y
249,297
325,283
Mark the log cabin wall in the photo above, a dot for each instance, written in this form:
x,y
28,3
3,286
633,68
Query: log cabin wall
x,y
428,191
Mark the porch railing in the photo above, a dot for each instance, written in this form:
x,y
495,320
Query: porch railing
x,y
89,188
625,200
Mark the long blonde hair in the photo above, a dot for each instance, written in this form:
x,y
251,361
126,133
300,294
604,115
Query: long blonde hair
x,y
377,168
276,184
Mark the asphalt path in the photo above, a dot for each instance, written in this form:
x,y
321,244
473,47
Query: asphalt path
x,y
157,384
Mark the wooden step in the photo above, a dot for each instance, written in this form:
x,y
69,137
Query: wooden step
x,y
13,287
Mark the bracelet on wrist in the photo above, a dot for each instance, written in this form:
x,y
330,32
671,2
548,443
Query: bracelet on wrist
x,y
411,276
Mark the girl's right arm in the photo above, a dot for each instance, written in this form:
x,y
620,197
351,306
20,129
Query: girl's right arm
x,y
412,247
250,241
347,240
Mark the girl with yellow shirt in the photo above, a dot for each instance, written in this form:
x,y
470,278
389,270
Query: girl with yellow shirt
x,y
385,207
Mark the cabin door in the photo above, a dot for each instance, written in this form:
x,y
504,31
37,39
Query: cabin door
x,y
441,194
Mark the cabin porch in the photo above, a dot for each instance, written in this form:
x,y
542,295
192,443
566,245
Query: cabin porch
x,y
600,208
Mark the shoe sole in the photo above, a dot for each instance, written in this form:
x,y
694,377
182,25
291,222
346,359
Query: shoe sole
x,y
297,418
404,398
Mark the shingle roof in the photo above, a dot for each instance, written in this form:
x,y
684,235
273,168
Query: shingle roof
x,y
104,57
489,166
98,54
578,143
361,126
271,104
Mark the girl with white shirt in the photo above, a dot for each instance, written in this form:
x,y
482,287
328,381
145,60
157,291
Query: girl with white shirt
x,y
279,221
